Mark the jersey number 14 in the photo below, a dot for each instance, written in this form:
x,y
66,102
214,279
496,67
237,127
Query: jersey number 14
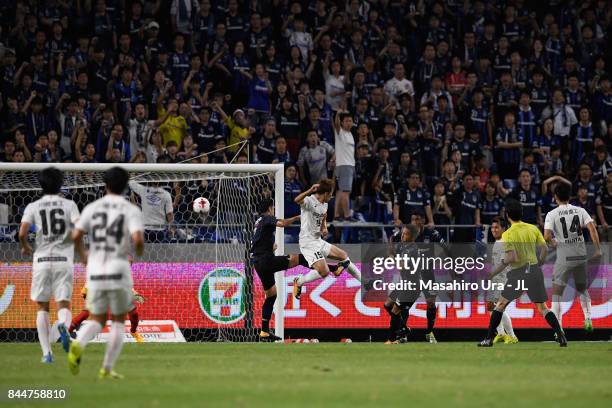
x,y
574,226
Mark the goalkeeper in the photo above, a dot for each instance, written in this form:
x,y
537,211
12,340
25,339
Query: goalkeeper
x,y
266,263
132,315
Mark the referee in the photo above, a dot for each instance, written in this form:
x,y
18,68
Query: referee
x,y
520,242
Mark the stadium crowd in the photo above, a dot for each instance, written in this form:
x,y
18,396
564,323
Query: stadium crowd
x,y
452,105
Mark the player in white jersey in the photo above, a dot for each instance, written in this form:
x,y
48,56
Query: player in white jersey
x,y
52,274
563,229
113,225
313,203
505,332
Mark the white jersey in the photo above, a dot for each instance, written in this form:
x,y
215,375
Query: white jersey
x,y
312,215
54,218
566,223
156,203
109,222
498,253
345,148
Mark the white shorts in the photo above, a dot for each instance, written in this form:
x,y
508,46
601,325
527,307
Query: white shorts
x,y
563,271
52,278
119,301
314,251
493,295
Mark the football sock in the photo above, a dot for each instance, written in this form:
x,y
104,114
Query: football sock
x,y
54,333
311,276
266,312
389,309
554,323
585,302
114,345
352,269
507,325
496,317
64,315
87,332
431,318
556,308
500,328
134,319
78,319
405,313
42,327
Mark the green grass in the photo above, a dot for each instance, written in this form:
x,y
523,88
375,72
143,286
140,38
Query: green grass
x,y
324,375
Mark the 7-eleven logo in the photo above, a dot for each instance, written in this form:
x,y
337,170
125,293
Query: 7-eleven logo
x,y
221,295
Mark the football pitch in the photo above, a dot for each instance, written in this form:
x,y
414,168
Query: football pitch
x,y
322,375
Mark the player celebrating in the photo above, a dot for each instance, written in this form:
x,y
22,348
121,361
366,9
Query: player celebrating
x,y
52,269
132,315
505,332
563,229
313,203
110,222
520,243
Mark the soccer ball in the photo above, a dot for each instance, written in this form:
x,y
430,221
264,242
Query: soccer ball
x,y
201,205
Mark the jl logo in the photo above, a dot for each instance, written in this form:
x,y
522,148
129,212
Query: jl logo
x,y
221,295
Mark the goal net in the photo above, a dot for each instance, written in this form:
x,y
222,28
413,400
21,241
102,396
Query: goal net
x,y
195,271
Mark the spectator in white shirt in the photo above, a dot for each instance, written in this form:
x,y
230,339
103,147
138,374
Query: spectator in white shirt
x,y
345,163
398,85
563,116
300,38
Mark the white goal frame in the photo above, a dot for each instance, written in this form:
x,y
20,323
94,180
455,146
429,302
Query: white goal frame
x,y
279,205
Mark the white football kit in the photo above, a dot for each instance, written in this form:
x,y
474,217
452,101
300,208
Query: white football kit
x,y
497,254
566,222
312,246
109,222
52,265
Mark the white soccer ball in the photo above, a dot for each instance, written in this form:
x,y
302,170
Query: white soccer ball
x,y
201,205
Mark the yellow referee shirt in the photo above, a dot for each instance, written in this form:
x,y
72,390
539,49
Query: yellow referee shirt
x,y
523,239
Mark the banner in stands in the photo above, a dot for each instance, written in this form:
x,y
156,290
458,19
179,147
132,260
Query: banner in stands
x,y
206,295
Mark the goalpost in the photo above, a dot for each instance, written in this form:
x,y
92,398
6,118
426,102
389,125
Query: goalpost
x,y
195,270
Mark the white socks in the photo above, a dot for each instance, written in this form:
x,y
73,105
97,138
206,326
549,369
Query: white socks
x,y
585,302
88,332
114,345
64,316
42,327
556,308
311,276
352,269
507,324
54,334
500,328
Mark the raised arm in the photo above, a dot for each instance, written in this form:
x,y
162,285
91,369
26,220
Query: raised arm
x,y
287,221
300,198
215,106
